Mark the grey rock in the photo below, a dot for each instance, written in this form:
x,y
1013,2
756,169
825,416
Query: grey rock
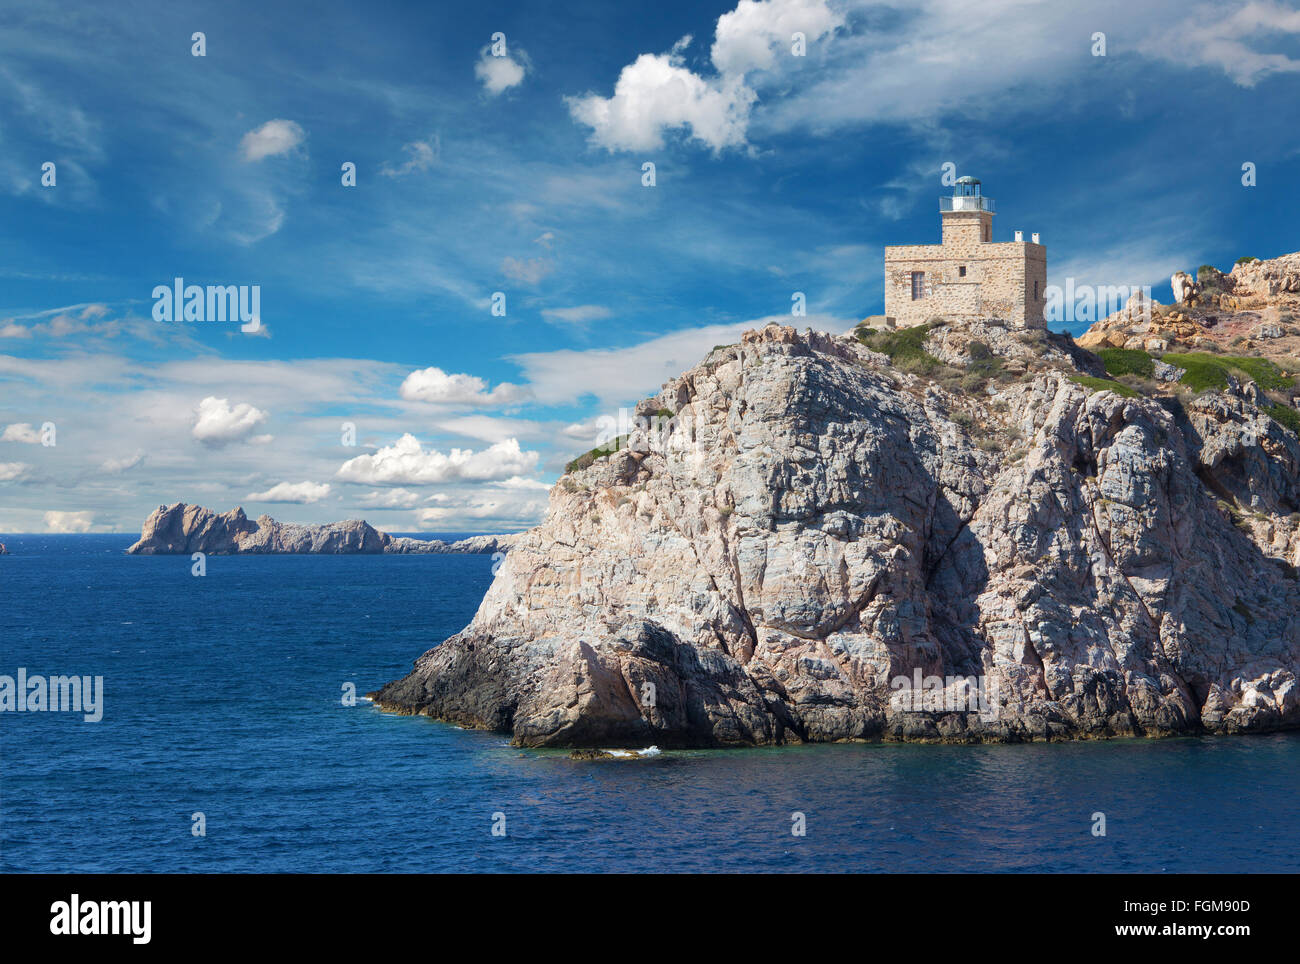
x,y
814,526
183,529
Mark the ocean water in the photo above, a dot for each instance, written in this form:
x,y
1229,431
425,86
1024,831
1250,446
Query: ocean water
x,y
223,697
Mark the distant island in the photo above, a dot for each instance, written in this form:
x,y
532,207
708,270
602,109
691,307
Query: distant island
x,y
961,530
181,529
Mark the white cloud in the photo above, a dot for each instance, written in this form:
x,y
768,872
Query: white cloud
x,y
1211,37
21,432
499,74
12,470
67,522
519,482
406,463
273,138
114,466
658,92
504,508
435,385
303,493
421,155
392,499
219,424
577,315
526,270
616,376
748,37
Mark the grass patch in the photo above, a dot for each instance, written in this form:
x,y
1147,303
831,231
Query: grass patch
x,y
904,346
1286,416
1127,361
1103,385
1206,371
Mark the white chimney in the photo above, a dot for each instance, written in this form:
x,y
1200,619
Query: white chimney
x,y
1035,237
1020,235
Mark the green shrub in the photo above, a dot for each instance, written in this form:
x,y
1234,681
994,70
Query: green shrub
x,y
586,459
904,346
1103,385
1206,371
1286,416
1127,361
1247,260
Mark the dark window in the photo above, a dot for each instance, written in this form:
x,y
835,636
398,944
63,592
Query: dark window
x,y
988,230
918,285
961,272
1035,290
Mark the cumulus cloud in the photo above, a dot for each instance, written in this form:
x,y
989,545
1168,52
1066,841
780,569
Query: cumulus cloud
x,y
219,423
749,37
303,493
68,522
577,315
406,463
273,138
21,432
435,385
658,92
499,74
9,471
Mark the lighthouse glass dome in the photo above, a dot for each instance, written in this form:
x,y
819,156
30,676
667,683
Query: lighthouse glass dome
x,y
966,196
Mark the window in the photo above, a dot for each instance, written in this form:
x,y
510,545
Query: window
x,y
918,285
961,272
988,231
1035,290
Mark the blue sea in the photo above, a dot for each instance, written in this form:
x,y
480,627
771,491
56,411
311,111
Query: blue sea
x,y
223,697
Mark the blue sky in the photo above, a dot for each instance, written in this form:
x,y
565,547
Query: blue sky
x,y
523,175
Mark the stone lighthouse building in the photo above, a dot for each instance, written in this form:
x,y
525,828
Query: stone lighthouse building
x,y
968,274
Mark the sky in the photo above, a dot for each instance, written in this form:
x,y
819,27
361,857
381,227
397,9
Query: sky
x,y
436,340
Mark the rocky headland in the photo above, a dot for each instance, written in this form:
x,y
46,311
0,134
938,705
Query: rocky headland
x,y
182,528
955,532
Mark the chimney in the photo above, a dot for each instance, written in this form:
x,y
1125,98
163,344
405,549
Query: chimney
x,y
1020,236
1035,238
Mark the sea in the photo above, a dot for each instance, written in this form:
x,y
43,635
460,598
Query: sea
x,y
229,742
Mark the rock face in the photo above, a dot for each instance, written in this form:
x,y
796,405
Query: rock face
x,y
813,534
1255,303
182,529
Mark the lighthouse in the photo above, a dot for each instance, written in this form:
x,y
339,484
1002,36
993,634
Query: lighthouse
x,y
968,274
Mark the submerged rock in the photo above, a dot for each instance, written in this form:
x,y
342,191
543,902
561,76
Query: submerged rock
x,y
816,547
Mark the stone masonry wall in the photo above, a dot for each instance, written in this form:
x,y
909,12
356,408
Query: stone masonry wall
x,y
999,281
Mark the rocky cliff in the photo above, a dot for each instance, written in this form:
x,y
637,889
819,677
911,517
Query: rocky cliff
x,y
947,533
1252,309
182,528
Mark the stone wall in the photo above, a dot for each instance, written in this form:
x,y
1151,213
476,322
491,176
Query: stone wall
x,y
999,281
